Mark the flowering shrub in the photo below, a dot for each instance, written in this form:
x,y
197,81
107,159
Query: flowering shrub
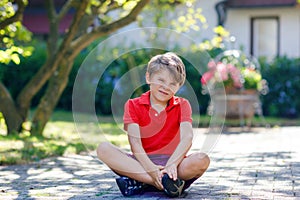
x,y
227,74
234,70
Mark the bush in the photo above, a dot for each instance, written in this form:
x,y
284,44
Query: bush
x,y
118,68
283,76
15,76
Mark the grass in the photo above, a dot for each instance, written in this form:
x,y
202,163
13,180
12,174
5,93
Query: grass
x,y
62,136
23,148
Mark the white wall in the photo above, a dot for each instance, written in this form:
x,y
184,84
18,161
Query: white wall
x,y
238,23
209,12
290,33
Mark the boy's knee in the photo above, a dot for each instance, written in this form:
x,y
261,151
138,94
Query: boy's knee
x,y
204,160
103,149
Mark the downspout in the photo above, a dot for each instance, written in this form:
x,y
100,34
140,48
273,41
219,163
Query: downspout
x,y
221,9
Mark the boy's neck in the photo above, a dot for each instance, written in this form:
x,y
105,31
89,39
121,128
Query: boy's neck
x,y
158,106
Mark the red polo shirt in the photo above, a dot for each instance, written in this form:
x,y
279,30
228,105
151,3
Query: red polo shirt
x,y
159,131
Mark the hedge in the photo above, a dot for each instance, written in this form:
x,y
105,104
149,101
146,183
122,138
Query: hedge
x,y
282,74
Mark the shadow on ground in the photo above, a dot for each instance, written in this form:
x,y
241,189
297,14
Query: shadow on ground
x,y
82,176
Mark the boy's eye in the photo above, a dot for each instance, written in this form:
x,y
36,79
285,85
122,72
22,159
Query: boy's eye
x,y
161,80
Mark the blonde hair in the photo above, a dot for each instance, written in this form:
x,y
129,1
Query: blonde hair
x,y
169,61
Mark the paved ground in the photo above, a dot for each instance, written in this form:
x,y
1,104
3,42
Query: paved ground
x,y
252,165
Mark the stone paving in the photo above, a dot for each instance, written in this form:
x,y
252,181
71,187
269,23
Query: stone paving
x,y
262,164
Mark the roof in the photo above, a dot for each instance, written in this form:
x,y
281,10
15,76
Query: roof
x,y
41,3
260,3
36,20
38,23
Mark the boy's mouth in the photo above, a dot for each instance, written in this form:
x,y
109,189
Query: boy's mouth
x,y
163,92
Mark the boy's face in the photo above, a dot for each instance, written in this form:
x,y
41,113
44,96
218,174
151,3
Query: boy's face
x,y
162,86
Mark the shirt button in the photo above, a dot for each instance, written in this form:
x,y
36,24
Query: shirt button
x,y
155,114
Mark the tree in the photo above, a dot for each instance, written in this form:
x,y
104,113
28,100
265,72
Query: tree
x,y
61,54
12,32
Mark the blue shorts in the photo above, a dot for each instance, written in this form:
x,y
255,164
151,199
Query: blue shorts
x,y
162,160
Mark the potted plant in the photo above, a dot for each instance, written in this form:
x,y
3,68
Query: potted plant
x,y
234,81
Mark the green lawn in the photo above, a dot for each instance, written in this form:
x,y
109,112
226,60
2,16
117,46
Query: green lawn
x,y
62,136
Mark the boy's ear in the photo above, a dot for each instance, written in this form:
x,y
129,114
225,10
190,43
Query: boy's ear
x,y
147,76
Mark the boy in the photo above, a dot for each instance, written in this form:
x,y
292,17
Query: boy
x,y
159,127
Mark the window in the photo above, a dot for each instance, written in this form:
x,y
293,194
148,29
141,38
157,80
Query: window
x,y
265,37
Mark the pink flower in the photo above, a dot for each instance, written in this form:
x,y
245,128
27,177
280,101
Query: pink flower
x,y
222,71
235,75
211,65
232,71
206,77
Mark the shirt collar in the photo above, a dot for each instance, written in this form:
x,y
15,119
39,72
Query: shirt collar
x,y
145,98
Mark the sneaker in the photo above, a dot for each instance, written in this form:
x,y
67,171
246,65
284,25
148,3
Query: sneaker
x,y
128,186
172,188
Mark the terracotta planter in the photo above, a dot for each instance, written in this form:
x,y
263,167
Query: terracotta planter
x,y
234,104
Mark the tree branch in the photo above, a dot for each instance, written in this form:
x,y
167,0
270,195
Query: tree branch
x,y
50,9
45,72
53,28
84,40
66,7
18,16
74,26
113,6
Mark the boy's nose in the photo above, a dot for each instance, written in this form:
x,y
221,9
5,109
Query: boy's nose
x,y
166,87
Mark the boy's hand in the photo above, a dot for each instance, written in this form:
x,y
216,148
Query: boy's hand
x,y
156,175
171,170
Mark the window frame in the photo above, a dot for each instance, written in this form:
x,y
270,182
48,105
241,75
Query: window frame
x,y
253,19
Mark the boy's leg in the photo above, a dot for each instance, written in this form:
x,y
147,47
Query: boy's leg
x,y
119,162
193,166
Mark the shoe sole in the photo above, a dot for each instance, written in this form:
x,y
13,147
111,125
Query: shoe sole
x,y
172,188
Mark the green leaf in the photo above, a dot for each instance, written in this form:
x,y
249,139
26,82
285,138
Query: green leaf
x,y
15,58
4,57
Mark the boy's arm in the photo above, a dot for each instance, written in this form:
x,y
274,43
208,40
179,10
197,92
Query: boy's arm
x,y
140,154
186,138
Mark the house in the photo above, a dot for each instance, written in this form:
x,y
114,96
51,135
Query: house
x,y
261,27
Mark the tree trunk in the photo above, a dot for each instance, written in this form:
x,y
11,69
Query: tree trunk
x,y
56,86
10,113
23,100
